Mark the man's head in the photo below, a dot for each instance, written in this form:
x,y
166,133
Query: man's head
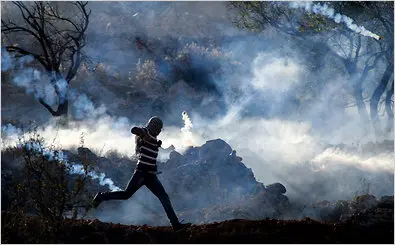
x,y
154,126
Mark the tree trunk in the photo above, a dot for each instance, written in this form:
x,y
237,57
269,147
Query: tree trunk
x,y
357,92
62,108
62,93
351,68
389,109
375,99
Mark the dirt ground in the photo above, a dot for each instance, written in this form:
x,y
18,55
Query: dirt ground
x,y
232,231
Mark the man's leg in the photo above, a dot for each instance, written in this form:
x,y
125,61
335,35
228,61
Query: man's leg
x,y
136,181
154,185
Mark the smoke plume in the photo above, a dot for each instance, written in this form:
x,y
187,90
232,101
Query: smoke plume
x,y
41,85
187,129
325,10
283,107
74,168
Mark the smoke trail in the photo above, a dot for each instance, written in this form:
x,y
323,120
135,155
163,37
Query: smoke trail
x,y
111,133
187,129
337,17
333,157
73,168
188,123
79,169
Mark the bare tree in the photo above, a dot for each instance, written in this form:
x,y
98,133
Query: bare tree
x,y
350,54
389,108
384,12
53,33
257,16
375,99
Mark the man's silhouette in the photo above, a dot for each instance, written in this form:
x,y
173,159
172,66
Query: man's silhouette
x,y
147,147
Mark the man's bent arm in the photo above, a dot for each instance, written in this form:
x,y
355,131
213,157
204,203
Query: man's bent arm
x,y
138,131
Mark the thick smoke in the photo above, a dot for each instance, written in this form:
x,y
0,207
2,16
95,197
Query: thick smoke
x,y
42,86
268,68
325,10
34,82
265,118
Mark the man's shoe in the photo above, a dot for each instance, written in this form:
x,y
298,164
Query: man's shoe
x,y
97,200
180,227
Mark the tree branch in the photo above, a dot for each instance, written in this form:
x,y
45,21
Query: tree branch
x,y
24,52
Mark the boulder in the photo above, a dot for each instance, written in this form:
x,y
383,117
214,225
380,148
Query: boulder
x,y
276,188
363,202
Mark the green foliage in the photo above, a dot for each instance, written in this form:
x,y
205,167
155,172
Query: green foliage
x,y
314,23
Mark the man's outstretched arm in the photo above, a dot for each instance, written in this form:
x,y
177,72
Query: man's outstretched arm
x,y
138,131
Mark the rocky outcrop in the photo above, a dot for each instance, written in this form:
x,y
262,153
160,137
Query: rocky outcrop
x,y
211,174
211,177
363,209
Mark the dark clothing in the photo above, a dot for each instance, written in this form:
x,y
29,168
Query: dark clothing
x,y
152,182
147,147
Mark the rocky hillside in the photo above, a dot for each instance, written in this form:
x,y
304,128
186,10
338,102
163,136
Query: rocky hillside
x,y
199,182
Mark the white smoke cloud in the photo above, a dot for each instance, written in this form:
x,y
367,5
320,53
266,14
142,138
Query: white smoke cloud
x,y
325,10
335,157
84,107
290,153
268,69
32,80
42,86
275,148
272,147
10,130
187,139
35,83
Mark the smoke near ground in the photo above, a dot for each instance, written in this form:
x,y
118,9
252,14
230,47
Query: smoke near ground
x,y
318,150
